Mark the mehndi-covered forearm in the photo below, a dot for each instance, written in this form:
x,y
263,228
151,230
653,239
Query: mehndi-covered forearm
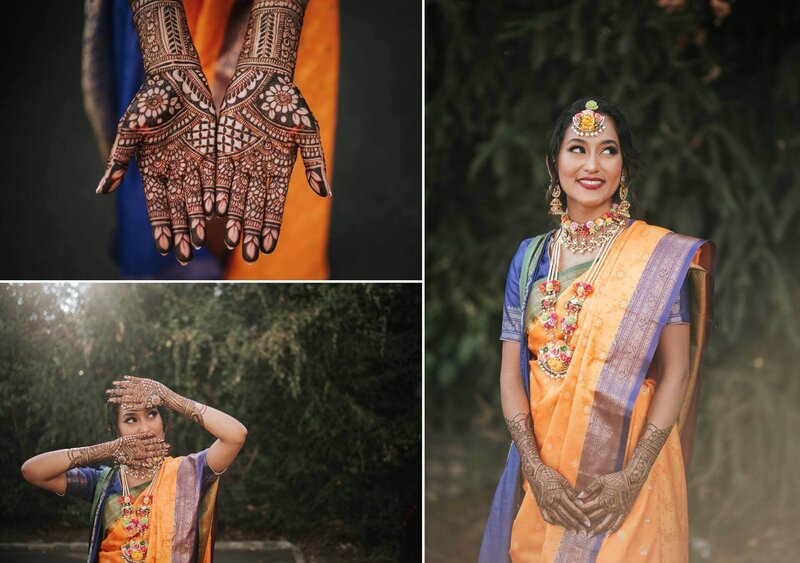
x,y
89,455
645,454
521,429
273,35
187,407
163,34
138,450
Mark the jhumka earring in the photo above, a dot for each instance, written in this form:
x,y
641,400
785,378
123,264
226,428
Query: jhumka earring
x,y
555,203
624,205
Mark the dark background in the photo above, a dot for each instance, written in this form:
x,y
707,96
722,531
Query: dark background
x,y
326,378
714,102
55,227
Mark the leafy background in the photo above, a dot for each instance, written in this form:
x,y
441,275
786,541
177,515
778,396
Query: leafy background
x,y
712,90
326,378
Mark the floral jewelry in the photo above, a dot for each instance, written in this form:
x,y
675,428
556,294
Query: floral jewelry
x,y
135,521
586,237
588,123
556,355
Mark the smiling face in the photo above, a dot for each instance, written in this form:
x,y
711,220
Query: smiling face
x,y
132,421
589,171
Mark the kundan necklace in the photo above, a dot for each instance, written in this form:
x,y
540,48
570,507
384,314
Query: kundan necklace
x,y
586,237
135,521
556,355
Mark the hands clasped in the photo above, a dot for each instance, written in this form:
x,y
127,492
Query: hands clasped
x,y
601,507
193,163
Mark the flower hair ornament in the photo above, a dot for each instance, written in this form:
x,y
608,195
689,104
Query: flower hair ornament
x,y
588,123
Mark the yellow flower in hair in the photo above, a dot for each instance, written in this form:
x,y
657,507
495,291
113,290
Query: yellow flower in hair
x,y
587,121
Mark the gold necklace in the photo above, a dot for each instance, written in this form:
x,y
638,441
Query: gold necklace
x,y
587,237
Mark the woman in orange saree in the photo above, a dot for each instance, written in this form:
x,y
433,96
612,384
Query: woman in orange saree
x,y
599,381
146,507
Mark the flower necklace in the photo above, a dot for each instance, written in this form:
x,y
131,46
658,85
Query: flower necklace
x,y
586,237
136,521
556,355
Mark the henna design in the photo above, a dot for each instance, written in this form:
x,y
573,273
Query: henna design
x,y
612,495
263,122
148,393
554,495
170,125
192,410
138,392
143,449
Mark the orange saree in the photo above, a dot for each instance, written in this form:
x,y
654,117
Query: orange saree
x,y
588,423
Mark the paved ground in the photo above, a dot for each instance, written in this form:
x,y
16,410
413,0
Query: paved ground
x,y
226,552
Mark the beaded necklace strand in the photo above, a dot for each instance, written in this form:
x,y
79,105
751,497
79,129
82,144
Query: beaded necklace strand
x,y
135,522
556,355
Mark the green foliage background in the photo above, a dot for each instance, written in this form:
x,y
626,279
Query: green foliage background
x,y
716,110
326,378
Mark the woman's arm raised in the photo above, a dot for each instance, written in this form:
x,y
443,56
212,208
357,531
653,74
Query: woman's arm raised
x,y
230,433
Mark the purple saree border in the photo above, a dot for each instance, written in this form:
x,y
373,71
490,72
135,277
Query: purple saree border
x,y
188,489
611,413
693,245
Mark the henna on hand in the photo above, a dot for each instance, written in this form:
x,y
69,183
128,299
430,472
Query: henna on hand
x,y
555,497
148,393
138,392
192,410
170,125
137,450
263,121
609,498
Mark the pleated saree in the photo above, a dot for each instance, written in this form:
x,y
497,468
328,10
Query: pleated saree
x,y
588,423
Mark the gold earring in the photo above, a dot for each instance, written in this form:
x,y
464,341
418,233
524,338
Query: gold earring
x,y
624,206
555,203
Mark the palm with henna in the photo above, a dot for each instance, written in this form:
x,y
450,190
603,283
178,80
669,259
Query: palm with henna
x,y
263,121
170,125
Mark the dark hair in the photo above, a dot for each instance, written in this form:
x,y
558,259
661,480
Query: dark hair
x,y
112,418
631,162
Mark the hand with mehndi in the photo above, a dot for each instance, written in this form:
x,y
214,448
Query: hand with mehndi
x,y
142,449
170,125
608,499
557,499
139,450
263,121
138,392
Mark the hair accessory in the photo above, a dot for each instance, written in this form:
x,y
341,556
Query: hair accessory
x,y
555,203
588,123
